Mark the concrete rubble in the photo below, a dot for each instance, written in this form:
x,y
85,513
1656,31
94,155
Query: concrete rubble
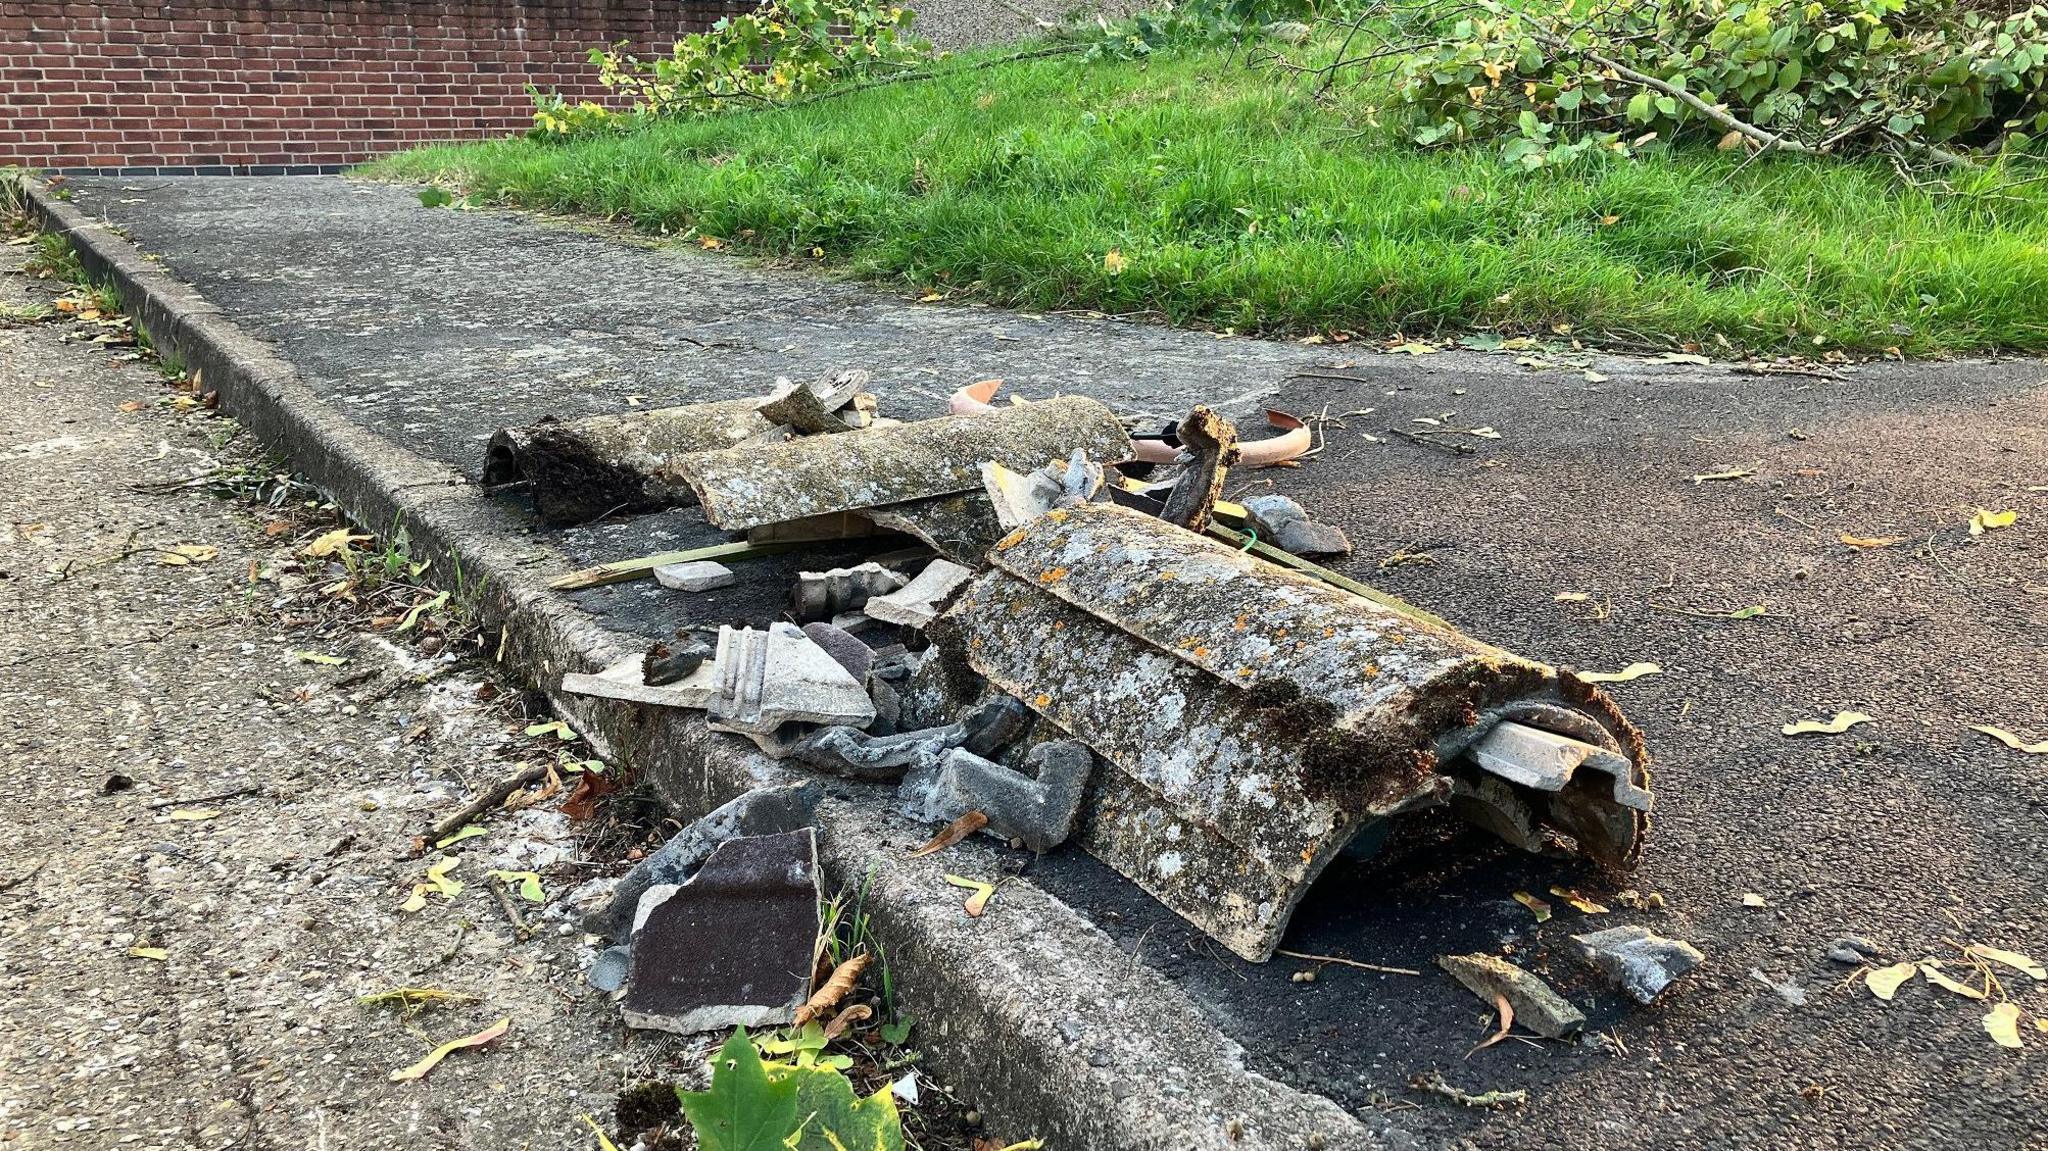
x,y
1089,660
1638,960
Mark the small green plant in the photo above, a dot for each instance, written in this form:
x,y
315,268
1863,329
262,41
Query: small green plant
x,y
555,118
52,257
801,1105
782,50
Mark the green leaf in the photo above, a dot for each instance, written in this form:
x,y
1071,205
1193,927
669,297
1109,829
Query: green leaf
x,y
1668,105
895,1033
435,198
745,1110
830,1118
1639,108
1568,99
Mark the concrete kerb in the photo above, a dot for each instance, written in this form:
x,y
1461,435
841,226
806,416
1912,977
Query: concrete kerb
x,y
1031,1012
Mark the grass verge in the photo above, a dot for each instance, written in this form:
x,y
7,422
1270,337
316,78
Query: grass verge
x,y
1206,192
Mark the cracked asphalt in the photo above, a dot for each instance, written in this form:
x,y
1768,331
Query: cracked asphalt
x,y
434,327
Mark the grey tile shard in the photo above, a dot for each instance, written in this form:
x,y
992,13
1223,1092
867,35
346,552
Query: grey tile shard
x,y
1537,1005
732,947
696,575
845,647
879,466
769,678
1638,960
920,601
1038,808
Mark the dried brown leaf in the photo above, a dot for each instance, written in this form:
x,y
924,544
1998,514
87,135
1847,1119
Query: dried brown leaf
x,y
835,989
953,833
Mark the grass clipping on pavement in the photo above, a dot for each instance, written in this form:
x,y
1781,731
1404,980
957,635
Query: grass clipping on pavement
x,y
1193,188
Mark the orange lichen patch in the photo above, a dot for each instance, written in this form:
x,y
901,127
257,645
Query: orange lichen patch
x,y
1011,540
1052,575
1057,515
1244,673
1042,702
1167,574
1328,632
1058,624
1201,652
1307,854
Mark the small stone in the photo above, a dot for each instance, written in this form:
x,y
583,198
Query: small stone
x,y
1852,949
1282,522
1641,962
608,972
696,575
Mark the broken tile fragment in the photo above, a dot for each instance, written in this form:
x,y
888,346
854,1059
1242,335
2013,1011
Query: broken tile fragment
x,y
1537,1006
1282,522
918,602
853,655
1637,959
695,575
823,595
768,678
734,946
761,811
626,680
1038,808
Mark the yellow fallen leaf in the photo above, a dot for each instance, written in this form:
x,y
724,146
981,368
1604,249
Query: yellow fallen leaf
x,y
1113,262
193,814
1571,597
332,543
1632,671
2010,740
1415,349
1886,981
527,883
604,1142
1752,899
710,243
978,902
1940,978
426,1063
316,657
156,953
2002,1023
1843,721
1537,907
2012,959
181,554
931,297
1983,521
437,876
1730,474
417,901
1871,541
1584,905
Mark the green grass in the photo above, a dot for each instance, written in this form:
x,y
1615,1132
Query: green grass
x,y
1235,201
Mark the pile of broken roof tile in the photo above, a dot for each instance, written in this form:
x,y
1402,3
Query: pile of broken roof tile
x,y
1086,640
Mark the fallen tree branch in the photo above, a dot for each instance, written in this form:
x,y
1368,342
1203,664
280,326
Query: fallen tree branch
x,y
494,795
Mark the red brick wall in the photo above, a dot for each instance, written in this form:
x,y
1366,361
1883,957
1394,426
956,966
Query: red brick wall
x,y
267,85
